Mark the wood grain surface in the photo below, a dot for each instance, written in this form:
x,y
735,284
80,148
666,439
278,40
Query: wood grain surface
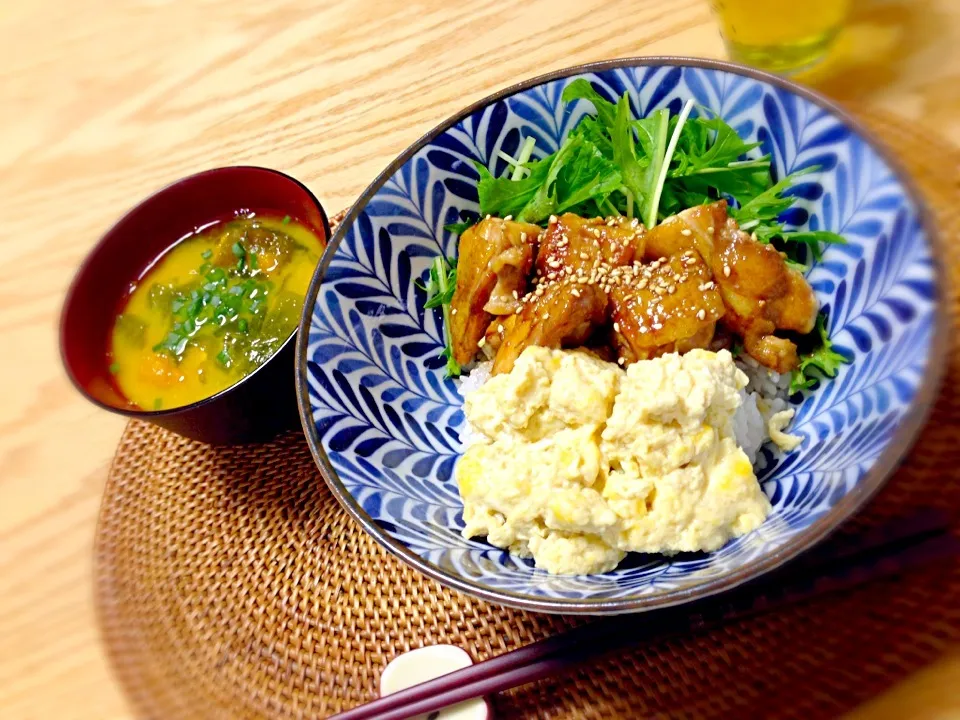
x,y
105,101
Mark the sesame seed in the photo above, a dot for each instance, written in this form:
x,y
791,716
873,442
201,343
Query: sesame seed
x,y
726,271
523,237
634,223
553,219
515,295
686,232
753,236
487,217
582,280
508,218
701,314
710,229
643,329
575,292
546,316
761,303
616,327
657,326
707,286
621,361
482,342
453,311
500,329
518,310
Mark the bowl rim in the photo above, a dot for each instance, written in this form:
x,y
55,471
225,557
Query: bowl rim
x,y
98,247
883,467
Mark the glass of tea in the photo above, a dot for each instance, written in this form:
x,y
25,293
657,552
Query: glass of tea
x,y
780,35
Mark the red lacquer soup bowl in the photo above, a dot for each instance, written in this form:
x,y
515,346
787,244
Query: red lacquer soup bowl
x,y
256,407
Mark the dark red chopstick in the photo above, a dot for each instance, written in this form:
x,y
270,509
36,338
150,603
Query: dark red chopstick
x,y
880,553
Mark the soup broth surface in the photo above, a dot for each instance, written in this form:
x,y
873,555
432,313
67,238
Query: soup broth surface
x,y
211,310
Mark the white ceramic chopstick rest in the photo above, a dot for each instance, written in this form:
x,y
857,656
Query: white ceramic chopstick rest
x,y
427,663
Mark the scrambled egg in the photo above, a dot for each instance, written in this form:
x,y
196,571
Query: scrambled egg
x,y
579,462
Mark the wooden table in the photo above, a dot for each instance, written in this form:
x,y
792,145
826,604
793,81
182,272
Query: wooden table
x,y
105,101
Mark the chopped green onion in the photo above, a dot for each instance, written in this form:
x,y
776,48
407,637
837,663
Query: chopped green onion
x,y
286,220
114,368
238,250
206,254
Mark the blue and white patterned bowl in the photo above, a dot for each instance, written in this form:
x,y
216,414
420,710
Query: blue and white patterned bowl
x,y
383,422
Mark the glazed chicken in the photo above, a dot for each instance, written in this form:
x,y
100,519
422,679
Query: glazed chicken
x,y
574,263
573,244
761,294
669,305
693,280
495,259
564,315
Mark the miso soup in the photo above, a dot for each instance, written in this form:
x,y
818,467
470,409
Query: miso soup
x,y
211,310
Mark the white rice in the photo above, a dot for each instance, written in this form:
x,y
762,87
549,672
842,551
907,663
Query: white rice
x,y
764,397
468,383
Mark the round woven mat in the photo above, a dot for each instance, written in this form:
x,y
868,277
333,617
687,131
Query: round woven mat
x,y
231,584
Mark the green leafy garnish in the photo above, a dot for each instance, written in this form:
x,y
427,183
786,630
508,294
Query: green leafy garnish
x,y
206,254
637,148
286,220
114,368
442,283
759,216
157,403
440,286
820,360
577,172
458,228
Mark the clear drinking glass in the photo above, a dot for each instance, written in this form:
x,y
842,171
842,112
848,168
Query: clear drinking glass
x,y
780,35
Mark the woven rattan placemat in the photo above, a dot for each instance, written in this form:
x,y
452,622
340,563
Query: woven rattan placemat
x,y
230,584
